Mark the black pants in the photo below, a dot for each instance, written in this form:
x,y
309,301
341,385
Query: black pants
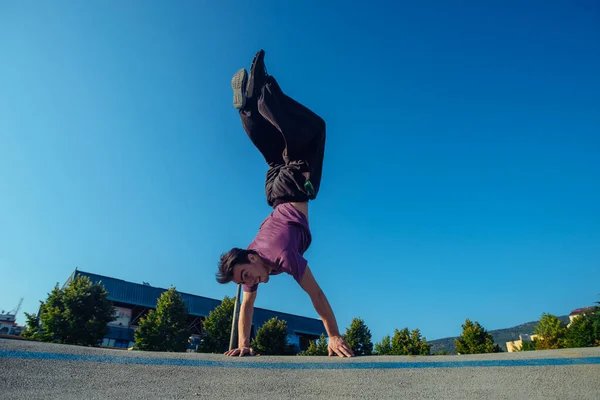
x,y
290,137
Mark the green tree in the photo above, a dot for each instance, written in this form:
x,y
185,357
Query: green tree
x,y
526,345
271,338
317,347
595,317
584,331
217,328
551,333
358,337
164,329
581,333
384,348
32,330
405,342
475,340
76,314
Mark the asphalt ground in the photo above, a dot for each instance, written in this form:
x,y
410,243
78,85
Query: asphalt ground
x,y
31,370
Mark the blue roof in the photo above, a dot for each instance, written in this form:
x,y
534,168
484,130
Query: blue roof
x,y
147,296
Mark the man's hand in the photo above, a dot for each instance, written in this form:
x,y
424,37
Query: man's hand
x,y
241,352
338,345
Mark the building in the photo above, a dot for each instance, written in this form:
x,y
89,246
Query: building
x,y
8,325
515,345
133,301
579,311
8,322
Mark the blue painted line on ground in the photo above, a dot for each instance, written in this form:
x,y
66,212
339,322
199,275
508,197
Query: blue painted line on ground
x,y
346,364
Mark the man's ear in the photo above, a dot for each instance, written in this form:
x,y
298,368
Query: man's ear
x,y
253,258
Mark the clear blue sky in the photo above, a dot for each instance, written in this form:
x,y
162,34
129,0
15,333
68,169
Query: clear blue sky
x,y
473,129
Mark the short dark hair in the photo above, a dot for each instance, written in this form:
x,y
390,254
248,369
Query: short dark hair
x,y
229,260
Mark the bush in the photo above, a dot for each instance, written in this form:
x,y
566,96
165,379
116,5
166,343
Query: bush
x,y
271,338
317,347
164,329
217,328
526,346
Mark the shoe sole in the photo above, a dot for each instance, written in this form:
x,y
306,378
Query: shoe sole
x,y
259,55
238,84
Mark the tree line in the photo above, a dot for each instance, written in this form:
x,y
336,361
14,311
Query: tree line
x,y
79,313
552,333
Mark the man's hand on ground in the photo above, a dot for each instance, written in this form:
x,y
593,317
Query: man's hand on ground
x,y
240,352
338,345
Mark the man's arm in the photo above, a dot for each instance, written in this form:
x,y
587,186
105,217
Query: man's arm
x,y
245,323
244,326
337,343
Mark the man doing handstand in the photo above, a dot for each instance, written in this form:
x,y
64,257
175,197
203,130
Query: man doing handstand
x,y
291,138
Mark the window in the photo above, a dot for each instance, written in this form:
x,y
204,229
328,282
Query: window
x,y
122,344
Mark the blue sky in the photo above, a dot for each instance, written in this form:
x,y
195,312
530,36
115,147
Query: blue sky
x,y
471,130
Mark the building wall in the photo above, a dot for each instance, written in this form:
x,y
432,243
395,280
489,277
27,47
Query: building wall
x,y
572,318
515,345
8,328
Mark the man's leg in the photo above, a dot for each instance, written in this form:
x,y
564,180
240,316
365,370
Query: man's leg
x,y
265,137
298,125
303,131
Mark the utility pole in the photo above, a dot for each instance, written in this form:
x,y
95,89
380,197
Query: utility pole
x,y
236,313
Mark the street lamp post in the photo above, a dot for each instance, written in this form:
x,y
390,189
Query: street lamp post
x,y
236,313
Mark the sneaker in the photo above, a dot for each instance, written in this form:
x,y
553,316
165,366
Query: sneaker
x,y
258,74
238,84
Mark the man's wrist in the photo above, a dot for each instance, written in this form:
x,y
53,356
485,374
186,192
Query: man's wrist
x,y
333,333
331,328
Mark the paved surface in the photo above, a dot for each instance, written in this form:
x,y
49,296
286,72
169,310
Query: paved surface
x,y
30,370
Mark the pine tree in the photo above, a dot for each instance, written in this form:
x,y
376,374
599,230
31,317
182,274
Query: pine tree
x,y
33,329
164,329
217,328
580,333
405,342
475,340
358,337
551,333
384,348
584,331
317,347
76,314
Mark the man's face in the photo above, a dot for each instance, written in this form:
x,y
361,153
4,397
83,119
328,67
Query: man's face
x,y
252,273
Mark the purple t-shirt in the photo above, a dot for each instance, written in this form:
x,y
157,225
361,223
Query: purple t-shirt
x,y
283,238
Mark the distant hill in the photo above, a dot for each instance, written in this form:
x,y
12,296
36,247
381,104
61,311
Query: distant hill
x,y
501,336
